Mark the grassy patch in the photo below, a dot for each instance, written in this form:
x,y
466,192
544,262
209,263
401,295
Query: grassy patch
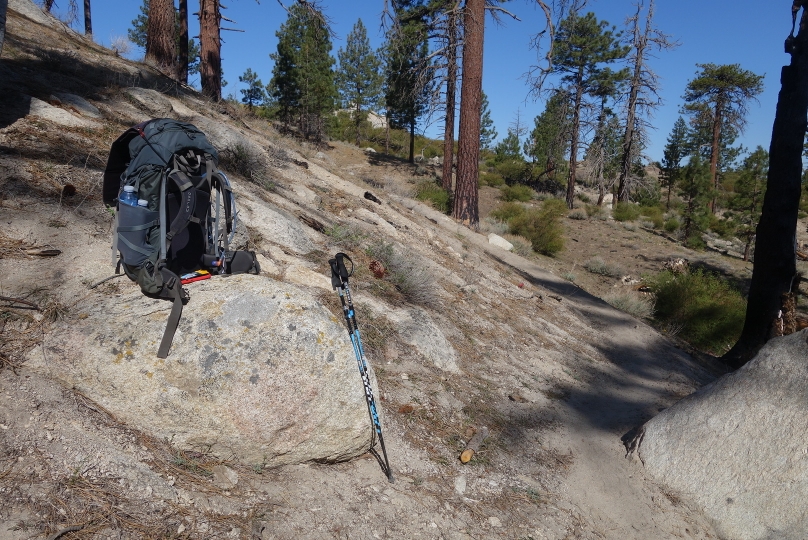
x,y
625,211
596,265
435,195
415,283
708,311
517,192
542,226
631,302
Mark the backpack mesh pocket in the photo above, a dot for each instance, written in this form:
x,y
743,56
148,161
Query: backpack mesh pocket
x,y
138,230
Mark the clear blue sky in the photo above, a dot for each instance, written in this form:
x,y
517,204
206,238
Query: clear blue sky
x,y
746,32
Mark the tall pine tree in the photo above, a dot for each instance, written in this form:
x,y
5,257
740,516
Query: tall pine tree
x,y
582,46
254,94
302,82
675,151
358,79
488,133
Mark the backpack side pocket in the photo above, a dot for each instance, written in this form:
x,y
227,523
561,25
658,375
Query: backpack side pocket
x,y
138,228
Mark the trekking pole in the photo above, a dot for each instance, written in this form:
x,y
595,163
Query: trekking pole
x,y
339,280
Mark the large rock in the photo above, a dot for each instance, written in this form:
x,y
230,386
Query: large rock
x,y
152,101
257,369
58,116
737,448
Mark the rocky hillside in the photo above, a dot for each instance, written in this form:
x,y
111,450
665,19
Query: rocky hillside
x,y
255,426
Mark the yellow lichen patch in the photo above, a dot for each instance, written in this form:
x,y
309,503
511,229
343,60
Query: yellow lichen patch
x,y
149,374
320,338
118,358
83,316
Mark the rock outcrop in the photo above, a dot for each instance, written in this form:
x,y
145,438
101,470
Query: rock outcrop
x,y
737,448
258,370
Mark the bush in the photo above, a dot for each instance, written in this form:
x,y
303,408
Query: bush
x,y
596,265
672,225
517,192
508,211
436,195
593,210
583,197
631,302
708,311
654,215
725,228
415,283
491,179
512,170
345,235
521,246
623,211
542,226
578,214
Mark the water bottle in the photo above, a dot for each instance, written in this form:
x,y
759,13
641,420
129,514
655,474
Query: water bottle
x,y
128,196
142,203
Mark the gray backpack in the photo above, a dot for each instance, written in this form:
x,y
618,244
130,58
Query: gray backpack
x,y
186,216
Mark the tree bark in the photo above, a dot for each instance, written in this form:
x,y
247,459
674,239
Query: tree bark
x,y
451,82
3,9
576,127
466,203
48,5
775,245
88,19
182,61
160,33
211,46
412,141
714,152
628,136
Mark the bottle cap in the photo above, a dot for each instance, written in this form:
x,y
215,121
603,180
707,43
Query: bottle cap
x,y
129,189
142,202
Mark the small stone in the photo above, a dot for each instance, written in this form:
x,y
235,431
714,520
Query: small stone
x,y
405,377
224,477
181,528
460,485
494,522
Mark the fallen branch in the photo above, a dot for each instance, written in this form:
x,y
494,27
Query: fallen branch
x,y
20,301
474,445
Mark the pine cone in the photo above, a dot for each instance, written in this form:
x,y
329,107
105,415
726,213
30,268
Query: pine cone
x,y
378,269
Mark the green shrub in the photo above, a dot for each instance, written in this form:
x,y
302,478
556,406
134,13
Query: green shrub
x,y
521,246
578,214
436,195
508,211
706,309
694,241
672,224
725,228
491,179
596,265
542,226
517,192
654,214
593,210
512,170
583,197
623,211
345,235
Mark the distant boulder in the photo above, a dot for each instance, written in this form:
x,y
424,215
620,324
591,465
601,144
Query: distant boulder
x,y
737,448
258,370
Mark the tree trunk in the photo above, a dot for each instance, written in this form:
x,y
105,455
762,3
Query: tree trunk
x,y
3,9
451,82
211,48
412,141
466,203
48,5
357,121
775,245
88,19
182,61
160,33
576,127
714,152
628,136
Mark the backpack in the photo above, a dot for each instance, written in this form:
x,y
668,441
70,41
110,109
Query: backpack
x,y
186,219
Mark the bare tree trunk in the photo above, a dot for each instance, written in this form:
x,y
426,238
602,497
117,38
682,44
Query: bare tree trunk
x,y
576,128
714,153
451,82
412,141
466,203
48,5
211,47
182,61
160,34
88,19
775,245
3,9
628,136
357,121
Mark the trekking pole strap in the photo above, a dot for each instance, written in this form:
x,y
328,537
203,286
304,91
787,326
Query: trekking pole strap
x,y
339,273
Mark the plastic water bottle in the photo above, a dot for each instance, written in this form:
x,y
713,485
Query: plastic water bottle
x,y
142,202
128,196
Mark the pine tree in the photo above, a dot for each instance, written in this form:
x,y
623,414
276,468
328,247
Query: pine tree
x,y
488,132
550,137
254,93
359,79
721,94
750,189
160,33
137,35
302,84
675,151
210,44
582,45
408,83
696,188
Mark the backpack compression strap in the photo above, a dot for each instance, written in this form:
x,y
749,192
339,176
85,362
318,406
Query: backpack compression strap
x,y
172,288
185,213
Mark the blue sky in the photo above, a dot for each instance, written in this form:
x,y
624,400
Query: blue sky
x,y
746,32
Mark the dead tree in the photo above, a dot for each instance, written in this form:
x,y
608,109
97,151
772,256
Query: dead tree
x,y
775,265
